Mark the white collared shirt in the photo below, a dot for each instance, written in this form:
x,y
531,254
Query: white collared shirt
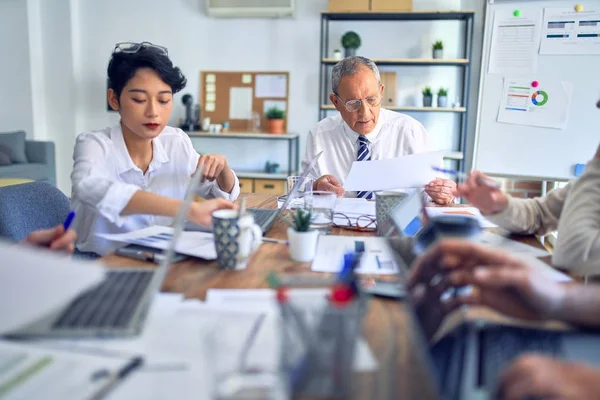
x,y
104,179
395,135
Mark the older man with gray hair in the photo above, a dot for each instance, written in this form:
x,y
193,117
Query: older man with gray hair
x,y
364,131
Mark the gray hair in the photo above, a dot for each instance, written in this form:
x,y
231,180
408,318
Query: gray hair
x,y
350,66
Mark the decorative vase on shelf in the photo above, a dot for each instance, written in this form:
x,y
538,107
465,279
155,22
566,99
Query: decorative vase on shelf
x,y
438,49
442,101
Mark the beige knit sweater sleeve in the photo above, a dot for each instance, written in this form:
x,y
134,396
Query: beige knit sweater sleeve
x,y
532,216
578,244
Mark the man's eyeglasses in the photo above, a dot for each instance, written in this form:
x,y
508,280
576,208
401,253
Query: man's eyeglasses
x,y
355,105
361,223
132,48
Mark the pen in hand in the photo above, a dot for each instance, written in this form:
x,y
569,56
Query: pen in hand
x,y
69,220
463,176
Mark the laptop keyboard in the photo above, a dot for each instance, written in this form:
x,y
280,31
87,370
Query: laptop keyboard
x,y
500,346
263,217
109,305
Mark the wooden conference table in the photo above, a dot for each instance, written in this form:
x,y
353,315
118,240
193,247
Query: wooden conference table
x,y
387,325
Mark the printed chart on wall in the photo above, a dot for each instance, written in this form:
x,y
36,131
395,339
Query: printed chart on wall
x,y
566,31
515,41
535,103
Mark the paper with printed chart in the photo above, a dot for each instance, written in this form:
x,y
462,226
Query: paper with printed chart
x,y
515,42
546,105
195,244
393,173
566,31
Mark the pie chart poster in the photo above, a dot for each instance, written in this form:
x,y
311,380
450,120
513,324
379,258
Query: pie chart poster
x,y
535,103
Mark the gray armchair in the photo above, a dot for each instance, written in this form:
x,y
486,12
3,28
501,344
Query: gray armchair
x,y
41,165
31,206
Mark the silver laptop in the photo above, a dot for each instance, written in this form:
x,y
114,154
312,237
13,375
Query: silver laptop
x,y
466,363
264,217
118,306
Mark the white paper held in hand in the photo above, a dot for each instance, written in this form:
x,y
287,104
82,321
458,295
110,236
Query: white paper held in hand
x,y
394,173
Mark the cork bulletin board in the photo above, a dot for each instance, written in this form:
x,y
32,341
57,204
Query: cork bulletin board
x,y
233,97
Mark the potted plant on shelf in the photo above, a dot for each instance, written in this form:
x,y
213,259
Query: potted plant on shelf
x,y
337,54
442,97
438,49
302,239
275,117
271,168
427,96
350,42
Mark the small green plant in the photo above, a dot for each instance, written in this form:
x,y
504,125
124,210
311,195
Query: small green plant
x,y
427,91
443,92
300,221
438,45
275,113
351,40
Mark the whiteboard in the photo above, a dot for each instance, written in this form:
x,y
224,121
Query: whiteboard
x,y
511,150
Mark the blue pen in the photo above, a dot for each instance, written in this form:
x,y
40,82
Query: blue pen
x,y
463,176
69,219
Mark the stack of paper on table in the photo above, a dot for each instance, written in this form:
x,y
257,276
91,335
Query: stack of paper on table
x,y
190,243
30,372
377,259
35,282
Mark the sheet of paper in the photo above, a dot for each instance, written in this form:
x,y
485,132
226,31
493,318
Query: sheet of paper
x,y
35,282
240,103
195,244
566,31
546,105
510,246
354,208
271,85
211,88
408,172
268,104
515,42
210,97
209,107
211,78
378,258
463,211
246,78
30,372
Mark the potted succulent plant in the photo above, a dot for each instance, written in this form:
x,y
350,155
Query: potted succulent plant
x,y
337,54
275,117
350,42
438,49
303,239
427,96
442,97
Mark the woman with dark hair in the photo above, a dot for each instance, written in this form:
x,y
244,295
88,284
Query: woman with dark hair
x,y
135,174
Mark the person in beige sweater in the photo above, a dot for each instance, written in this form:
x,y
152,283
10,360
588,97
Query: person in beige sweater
x,y
574,210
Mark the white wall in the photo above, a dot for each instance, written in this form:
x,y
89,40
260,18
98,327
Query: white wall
x,y
71,42
15,87
197,42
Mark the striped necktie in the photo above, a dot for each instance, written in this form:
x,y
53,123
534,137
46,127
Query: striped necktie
x,y
364,154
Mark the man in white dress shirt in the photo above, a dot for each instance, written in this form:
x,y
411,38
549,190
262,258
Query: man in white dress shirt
x,y
364,131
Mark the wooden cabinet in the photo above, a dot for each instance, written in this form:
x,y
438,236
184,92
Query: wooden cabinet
x,y
246,185
270,186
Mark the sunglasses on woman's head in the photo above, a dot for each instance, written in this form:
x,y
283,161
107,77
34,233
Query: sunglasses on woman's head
x,y
132,48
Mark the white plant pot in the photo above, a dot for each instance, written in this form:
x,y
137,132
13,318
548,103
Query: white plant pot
x,y
303,245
